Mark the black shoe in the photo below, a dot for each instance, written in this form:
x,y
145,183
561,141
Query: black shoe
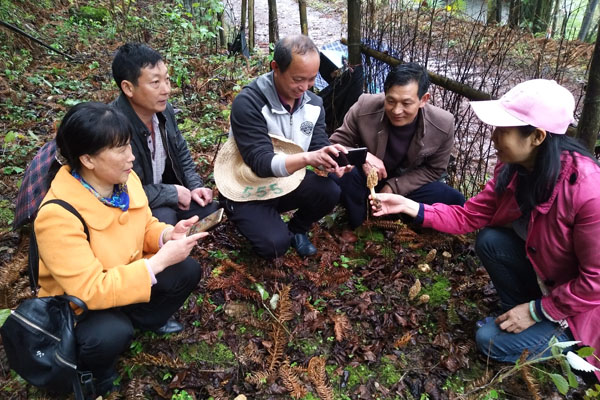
x,y
303,245
171,326
105,384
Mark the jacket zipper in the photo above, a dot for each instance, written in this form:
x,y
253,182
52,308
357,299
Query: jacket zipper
x,y
34,326
166,142
62,360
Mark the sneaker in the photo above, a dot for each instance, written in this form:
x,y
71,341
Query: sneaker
x,y
303,246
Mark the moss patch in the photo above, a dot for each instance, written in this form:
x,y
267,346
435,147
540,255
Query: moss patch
x,y
216,354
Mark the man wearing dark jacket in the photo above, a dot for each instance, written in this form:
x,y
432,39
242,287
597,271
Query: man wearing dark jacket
x,y
162,159
408,141
279,103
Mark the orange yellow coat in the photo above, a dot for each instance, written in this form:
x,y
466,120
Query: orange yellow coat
x,y
109,270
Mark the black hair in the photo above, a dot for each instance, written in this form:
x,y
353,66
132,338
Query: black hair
x,y
535,187
404,74
129,61
290,45
87,128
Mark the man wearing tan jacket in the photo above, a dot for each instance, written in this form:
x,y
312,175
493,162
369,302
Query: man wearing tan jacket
x,y
408,141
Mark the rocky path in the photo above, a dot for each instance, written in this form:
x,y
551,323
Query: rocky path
x,y
323,26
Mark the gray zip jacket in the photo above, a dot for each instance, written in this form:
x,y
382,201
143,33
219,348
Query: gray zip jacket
x,y
257,111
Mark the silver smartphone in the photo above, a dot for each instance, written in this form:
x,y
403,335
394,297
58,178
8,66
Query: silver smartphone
x,y
207,222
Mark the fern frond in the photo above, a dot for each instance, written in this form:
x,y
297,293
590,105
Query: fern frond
x,y
532,385
162,360
259,378
291,381
284,307
318,377
342,326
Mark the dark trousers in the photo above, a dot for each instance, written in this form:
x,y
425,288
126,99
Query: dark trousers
x,y
171,215
260,221
502,253
355,195
105,334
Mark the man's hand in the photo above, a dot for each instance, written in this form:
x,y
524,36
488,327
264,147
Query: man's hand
x,y
202,196
184,197
324,157
515,320
321,158
374,162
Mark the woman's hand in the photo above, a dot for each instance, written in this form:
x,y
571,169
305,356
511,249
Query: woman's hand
x,y
389,203
515,320
180,230
174,251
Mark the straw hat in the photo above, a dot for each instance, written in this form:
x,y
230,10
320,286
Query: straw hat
x,y
236,181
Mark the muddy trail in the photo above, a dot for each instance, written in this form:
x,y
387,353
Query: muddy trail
x,y
324,24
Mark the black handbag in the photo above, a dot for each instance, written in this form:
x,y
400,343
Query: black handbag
x,y
39,335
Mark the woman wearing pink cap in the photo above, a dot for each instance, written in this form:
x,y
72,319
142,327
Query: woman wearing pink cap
x,y
541,220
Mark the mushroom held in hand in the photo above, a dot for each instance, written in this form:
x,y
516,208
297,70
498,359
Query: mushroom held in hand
x,y
372,181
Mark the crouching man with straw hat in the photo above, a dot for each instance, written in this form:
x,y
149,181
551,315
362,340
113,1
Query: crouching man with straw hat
x,y
277,130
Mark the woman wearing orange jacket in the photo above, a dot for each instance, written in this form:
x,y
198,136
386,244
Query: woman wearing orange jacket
x,y
134,272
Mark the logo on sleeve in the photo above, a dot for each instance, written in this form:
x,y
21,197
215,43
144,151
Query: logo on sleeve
x,y
307,127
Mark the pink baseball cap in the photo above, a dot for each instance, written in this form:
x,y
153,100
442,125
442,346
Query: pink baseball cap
x,y
539,102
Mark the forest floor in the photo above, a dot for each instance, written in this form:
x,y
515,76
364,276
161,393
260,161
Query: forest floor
x,y
387,311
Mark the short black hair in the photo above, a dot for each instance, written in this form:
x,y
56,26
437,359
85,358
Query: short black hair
x,y
404,74
129,61
87,128
290,45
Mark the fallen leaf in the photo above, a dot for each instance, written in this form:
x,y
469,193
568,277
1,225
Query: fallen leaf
x,y
349,236
403,341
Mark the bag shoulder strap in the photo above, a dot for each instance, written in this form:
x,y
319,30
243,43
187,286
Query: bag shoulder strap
x,y
34,255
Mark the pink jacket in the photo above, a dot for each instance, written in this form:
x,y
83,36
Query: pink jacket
x,y
562,240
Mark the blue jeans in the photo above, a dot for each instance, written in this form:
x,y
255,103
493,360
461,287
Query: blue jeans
x,y
502,253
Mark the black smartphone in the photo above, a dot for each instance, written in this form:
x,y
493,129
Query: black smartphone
x,y
356,157
207,222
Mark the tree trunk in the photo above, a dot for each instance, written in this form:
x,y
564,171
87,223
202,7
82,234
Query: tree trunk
x,y
303,19
541,16
251,25
514,13
589,123
273,24
555,17
354,43
222,35
499,11
587,19
491,12
243,15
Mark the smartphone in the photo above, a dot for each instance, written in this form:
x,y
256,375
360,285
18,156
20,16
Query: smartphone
x,y
207,222
356,157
